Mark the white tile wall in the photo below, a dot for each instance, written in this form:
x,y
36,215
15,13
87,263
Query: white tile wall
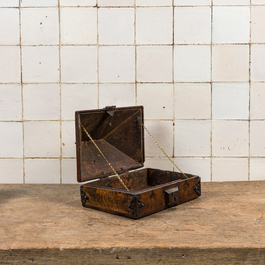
x,y
9,26
192,63
192,25
231,24
39,26
188,145
197,66
230,101
116,26
10,102
154,25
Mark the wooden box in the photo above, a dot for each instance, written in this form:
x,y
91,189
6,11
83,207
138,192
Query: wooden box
x,y
119,135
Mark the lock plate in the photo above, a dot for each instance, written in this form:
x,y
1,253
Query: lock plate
x,y
172,197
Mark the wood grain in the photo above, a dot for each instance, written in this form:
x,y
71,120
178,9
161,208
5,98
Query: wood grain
x,y
46,224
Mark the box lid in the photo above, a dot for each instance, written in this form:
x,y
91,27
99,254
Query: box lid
x,y
119,134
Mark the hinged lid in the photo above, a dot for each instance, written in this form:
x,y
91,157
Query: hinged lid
x,y
119,134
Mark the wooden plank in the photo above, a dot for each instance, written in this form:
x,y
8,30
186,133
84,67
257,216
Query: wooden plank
x,y
46,224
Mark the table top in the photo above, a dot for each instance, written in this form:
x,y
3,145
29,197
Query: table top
x,y
227,215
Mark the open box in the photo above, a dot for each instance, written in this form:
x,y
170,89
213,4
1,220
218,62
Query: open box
x,y
118,135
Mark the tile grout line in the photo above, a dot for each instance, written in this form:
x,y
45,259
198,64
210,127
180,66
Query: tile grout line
x,y
98,81
60,84
249,100
211,103
22,96
135,56
173,79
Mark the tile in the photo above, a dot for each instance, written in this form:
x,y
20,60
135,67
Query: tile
x,y
40,64
78,25
157,100
162,131
11,139
79,64
10,102
154,25
39,26
192,63
192,25
192,101
9,3
196,166
69,175
78,3
78,97
257,24
9,26
230,138
154,64
116,25
42,171
192,138
10,64
42,139
162,163
230,63
257,140
231,24
41,102
120,95
153,2
68,139
230,100
230,169
116,64
257,2
257,62
11,171
257,169
257,99
39,3
192,2
231,2
116,2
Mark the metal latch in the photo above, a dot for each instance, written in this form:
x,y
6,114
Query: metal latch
x,y
110,110
172,197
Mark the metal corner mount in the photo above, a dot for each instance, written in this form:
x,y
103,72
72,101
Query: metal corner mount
x,y
84,197
197,187
136,205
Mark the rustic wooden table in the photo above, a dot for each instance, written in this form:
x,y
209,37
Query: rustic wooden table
x,y
46,224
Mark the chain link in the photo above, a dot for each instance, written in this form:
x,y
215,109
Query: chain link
x,y
164,152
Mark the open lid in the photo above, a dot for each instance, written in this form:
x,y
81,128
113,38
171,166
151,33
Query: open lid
x,y
119,134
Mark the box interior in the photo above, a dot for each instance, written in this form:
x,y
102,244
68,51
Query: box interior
x,y
140,180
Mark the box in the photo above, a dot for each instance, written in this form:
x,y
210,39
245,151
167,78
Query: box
x,y
118,135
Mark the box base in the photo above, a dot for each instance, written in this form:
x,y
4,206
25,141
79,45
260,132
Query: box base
x,y
150,191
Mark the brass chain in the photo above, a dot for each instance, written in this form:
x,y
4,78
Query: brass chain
x,y
164,152
117,175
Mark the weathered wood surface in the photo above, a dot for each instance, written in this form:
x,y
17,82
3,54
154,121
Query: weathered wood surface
x,y
46,224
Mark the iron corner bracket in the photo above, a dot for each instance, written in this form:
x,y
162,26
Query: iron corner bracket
x,y
136,205
84,197
197,187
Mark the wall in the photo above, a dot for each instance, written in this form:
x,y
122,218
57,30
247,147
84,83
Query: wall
x,y
197,66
